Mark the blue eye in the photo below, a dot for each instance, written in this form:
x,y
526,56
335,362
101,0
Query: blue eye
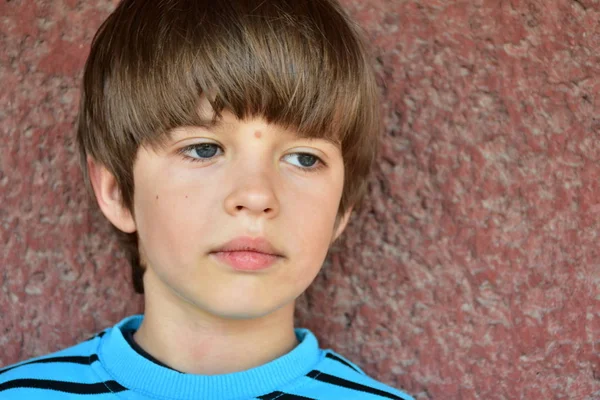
x,y
304,160
201,151
307,160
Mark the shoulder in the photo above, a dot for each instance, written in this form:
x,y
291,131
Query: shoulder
x,y
335,377
66,370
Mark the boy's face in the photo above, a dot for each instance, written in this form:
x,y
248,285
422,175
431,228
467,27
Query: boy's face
x,y
256,184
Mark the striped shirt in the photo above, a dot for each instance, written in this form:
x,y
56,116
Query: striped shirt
x,y
107,367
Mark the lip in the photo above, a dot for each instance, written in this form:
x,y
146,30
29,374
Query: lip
x,y
247,254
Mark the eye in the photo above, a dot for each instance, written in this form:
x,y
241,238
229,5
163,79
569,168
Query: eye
x,y
201,151
304,160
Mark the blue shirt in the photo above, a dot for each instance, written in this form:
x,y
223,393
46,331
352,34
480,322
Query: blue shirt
x,y
107,367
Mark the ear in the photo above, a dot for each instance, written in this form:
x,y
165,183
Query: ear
x,y
108,196
340,224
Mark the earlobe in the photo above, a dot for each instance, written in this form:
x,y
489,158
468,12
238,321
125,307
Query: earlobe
x,y
341,223
108,196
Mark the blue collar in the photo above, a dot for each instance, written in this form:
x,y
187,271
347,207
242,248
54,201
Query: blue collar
x,y
136,372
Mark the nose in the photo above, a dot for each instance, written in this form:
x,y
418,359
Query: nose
x,y
254,194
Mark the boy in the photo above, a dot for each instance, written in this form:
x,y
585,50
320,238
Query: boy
x,y
228,142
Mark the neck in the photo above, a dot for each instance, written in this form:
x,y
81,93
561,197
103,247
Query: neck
x,y
189,340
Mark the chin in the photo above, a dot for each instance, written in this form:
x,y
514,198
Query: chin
x,y
241,314
245,311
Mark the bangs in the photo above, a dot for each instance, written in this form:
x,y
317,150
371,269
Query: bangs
x,y
298,63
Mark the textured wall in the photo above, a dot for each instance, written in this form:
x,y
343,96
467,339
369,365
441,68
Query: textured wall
x,y
473,270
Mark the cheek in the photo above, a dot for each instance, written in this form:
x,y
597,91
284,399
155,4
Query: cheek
x,y
172,217
311,223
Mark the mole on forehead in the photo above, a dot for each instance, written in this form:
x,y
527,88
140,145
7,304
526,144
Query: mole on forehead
x,y
257,134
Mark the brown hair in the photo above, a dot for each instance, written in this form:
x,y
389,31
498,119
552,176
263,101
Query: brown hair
x,y
301,64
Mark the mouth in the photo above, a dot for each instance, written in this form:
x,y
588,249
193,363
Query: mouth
x,y
247,254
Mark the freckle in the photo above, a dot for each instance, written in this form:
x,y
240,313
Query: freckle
x,y
186,197
156,197
257,134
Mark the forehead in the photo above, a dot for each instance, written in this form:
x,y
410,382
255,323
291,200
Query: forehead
x,y
225,121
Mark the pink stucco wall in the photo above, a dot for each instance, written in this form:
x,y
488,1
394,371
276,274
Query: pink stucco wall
x,y
473,271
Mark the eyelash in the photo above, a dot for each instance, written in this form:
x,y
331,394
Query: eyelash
x,y
320,164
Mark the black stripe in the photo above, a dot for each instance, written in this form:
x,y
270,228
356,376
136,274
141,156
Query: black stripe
x,y
334,380
99,335
283,396
347,364
84,360
67,387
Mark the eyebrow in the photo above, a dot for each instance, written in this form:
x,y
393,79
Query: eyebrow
x,y
208,123
214,125
335,142
211,125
